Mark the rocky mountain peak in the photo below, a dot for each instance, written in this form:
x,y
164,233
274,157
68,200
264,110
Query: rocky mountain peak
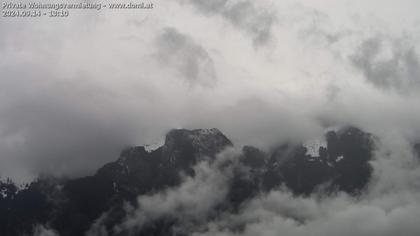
x,y
198,142
340,163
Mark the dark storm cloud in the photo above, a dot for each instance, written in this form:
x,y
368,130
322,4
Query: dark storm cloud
x,y
246,15
191,59
390,64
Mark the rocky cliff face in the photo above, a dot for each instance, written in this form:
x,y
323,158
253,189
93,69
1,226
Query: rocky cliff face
x,y
339,163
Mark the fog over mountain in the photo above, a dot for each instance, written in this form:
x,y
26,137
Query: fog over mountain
x,y
236,96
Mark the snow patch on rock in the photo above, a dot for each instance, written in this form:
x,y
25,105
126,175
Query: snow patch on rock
x,y
152,147
313,146
3,193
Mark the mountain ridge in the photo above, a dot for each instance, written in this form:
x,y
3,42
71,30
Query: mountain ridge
x,y
71,206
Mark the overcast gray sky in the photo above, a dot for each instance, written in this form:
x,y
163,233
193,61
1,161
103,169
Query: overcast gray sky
x,y
74,91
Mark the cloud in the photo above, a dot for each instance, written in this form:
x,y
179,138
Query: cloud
x,y
44,125
389,206
75,92
192,60
192,203
43,231
389,64
254,19
331,63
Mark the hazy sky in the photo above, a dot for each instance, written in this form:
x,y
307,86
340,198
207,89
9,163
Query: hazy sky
x,y
74,91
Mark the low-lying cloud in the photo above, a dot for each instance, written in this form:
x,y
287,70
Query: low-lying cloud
x,y
390,205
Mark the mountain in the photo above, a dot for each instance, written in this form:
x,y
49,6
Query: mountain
x,y
71,206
